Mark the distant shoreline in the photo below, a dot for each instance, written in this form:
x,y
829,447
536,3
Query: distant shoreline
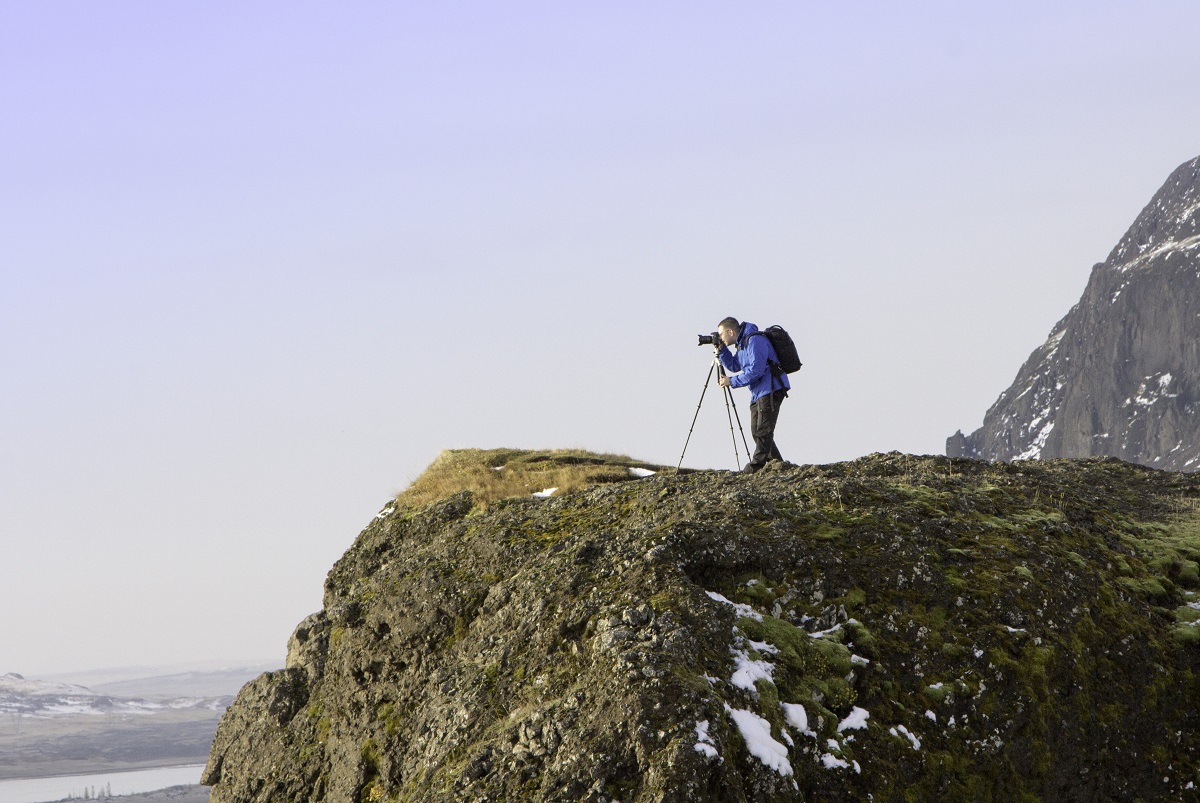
x,y
173,794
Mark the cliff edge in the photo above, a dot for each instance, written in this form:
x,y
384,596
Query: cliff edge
x,y
894,628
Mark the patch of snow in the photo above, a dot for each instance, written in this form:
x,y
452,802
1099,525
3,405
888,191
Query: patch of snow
x,y
900,730
498,468
821,633
857,720
859,660
931,716
704,743
833,762
748,670
1035,449
387,511
795,715
545,493
1170,245
1051,345
70,709
739,608
641,472
756,732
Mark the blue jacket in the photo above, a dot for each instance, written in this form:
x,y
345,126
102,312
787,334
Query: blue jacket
x,y
748,367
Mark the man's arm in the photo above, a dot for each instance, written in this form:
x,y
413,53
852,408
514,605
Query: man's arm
x,y
754,362
728,360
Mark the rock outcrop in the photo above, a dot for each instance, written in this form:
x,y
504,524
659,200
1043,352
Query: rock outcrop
x,y
1120,374
896,628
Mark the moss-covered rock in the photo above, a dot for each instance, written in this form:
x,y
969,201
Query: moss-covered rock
x,y
895,628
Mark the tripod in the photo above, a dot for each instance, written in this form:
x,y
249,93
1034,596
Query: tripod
x,y
730,405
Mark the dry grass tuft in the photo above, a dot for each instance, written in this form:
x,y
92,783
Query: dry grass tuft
x,y
501,473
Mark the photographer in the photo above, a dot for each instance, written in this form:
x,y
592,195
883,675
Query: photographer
x,y
751,366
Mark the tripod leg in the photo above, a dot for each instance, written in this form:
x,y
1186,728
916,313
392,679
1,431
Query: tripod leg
x,y
739,423
697,415
736,457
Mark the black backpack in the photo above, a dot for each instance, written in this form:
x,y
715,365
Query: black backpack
x,y
788,361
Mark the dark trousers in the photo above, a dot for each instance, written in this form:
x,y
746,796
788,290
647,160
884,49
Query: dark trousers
x,y
763,415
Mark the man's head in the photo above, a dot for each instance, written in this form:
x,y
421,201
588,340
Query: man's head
x,y
729,329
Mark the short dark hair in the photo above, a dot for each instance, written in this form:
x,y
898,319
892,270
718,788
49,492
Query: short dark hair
x,y
730,323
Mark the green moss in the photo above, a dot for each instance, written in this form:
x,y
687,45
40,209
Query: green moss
x,y
1186,614
1186,633
768,704
796,649
840,696
758,591
1151,588
862,639
936,692
372,788
954,652
836,656
826,532
391,718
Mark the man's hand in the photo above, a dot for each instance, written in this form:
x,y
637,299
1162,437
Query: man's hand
x,y
724,381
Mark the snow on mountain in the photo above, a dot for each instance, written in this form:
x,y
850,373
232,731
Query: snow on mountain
x,y
20,696
1120,373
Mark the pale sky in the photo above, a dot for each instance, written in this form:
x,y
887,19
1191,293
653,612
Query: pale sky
x,y
260,262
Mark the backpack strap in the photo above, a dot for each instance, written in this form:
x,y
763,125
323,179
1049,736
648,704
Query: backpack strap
x,y
773,366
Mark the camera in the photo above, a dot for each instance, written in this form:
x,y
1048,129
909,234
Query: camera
x,y
709,340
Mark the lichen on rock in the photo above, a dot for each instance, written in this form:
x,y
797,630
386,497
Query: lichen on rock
x,y
897,627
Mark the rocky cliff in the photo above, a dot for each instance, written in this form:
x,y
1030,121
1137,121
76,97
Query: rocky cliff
x,y
895,628
1120,374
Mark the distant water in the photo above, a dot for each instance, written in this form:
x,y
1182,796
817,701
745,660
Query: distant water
x,y
40,790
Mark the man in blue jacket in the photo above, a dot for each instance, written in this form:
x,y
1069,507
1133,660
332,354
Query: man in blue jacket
x,y
751,366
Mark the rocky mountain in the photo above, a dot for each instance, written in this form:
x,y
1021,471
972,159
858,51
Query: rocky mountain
x,y
1120,374
895,628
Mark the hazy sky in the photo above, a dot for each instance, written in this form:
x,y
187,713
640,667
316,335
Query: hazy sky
x,y
260,262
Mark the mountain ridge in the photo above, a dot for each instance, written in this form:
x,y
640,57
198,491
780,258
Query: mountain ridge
x,y
1117,375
